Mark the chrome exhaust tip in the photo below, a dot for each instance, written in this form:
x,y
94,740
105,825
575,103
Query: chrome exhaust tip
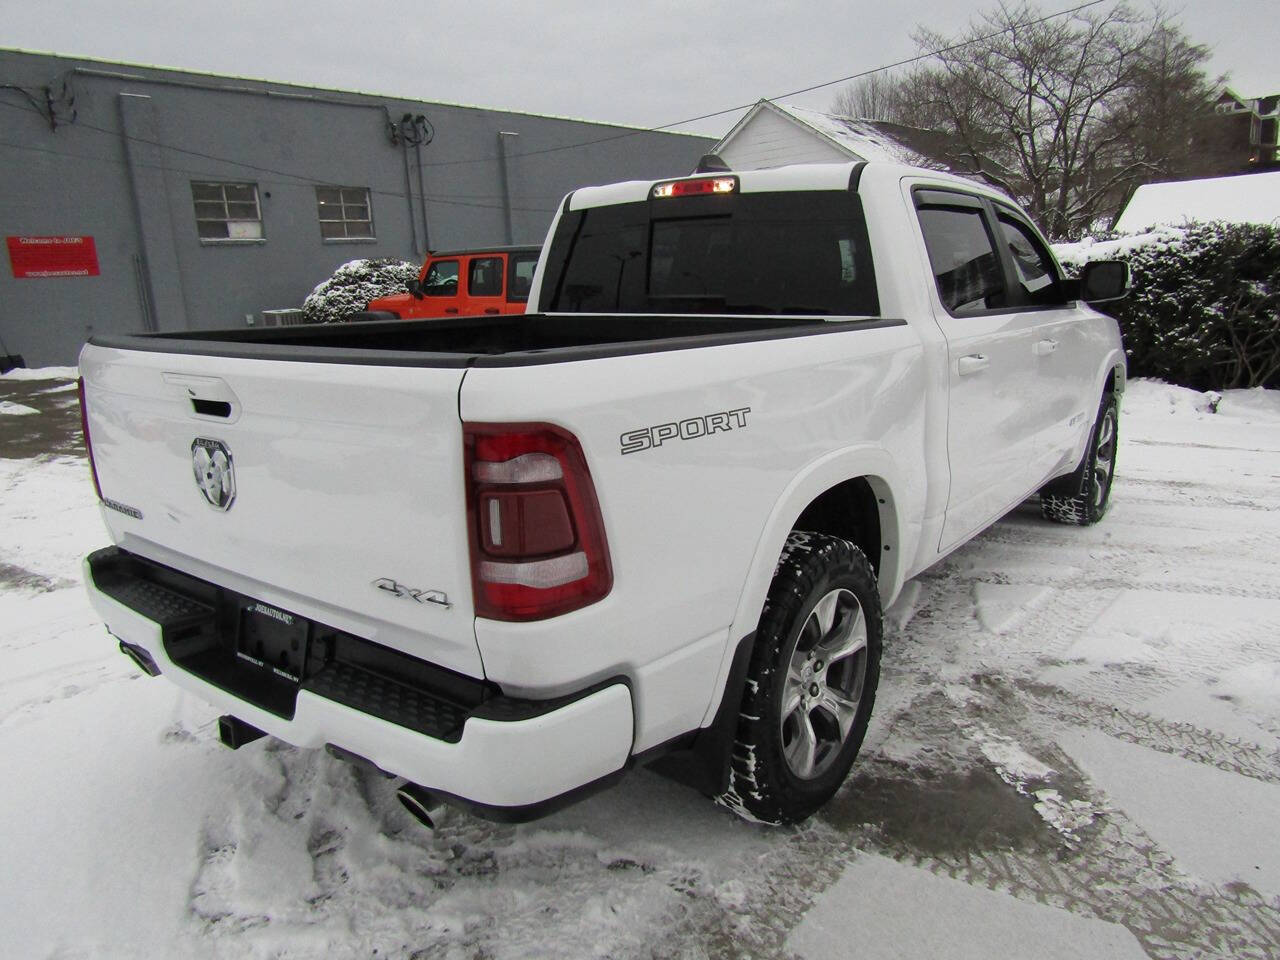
x,y
422,804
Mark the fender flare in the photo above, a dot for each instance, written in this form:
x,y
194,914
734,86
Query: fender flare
x,y
868,461
1115,360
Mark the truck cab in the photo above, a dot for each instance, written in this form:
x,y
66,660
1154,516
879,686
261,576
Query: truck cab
x,y
488,280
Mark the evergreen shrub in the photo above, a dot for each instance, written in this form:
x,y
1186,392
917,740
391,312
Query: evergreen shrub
x,y
1205,307
353,285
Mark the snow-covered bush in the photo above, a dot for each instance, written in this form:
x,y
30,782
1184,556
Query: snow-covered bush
x,y
1205,306
353,285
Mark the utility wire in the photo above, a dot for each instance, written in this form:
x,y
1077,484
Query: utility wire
x,y
584,143
793,93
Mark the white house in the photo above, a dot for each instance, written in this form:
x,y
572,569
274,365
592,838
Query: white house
x,y
775,134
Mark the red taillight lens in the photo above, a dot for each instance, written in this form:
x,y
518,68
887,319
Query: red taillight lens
x,y
88,446
537,538
695,188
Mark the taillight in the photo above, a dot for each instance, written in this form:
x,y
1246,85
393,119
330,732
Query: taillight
x,y
537,538
88,446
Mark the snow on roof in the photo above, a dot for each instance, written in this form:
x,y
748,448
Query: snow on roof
x,y
1247,198
859,137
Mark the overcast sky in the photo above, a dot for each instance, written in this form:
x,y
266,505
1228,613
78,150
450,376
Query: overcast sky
x,y
645,64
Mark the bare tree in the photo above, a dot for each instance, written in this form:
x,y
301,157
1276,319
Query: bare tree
x,y
873,97
1066,113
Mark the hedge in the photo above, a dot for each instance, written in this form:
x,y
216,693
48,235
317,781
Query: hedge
x,y
1205,307
353,285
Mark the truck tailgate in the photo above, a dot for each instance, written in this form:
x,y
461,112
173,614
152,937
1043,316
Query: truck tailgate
x,y
347,504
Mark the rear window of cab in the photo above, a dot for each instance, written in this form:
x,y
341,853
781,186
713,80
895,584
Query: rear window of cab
x,y
795,253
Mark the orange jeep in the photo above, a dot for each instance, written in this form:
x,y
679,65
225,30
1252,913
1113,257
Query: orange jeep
x,y
497,280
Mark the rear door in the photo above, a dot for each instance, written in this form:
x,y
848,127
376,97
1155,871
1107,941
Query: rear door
x,y
520,268
343,499
996,408
486,291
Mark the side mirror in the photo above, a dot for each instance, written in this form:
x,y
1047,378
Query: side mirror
x,y
414,287
1104,280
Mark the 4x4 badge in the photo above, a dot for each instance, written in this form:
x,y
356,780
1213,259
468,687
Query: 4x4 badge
x,y
214,471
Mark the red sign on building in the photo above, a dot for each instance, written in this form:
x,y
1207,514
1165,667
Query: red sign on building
x,y
53,256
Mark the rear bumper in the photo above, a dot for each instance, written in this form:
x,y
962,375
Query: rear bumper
x,y
509,758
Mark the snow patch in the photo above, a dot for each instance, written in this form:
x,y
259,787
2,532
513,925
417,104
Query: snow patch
x,y
1001,607
1254,687
1247,198
42,373
16,409
1220,826
1066,816
877,911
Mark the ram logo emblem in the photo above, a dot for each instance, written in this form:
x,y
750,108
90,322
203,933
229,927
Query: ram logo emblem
x,y
215,473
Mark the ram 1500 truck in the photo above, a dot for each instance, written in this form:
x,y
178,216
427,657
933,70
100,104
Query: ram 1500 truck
x,y
507,558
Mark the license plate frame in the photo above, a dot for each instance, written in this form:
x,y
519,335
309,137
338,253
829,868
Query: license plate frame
x,y
273,640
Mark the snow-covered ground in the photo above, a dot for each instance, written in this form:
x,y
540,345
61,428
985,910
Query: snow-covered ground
x,y
1075,753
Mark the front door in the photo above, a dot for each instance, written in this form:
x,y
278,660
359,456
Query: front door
x,y
997,409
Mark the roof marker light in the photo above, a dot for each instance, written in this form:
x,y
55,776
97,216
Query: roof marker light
x,y
703,186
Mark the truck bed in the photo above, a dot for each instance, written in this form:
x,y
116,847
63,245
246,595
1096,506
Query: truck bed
x,y
512,340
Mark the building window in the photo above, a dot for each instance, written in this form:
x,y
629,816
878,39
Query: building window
x,y
345,213
227,211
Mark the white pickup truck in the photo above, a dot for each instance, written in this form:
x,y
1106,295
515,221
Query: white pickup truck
x,y
507,558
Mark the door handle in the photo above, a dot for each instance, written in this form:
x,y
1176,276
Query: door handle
x,y
1044,347
491,310
450,310
972,364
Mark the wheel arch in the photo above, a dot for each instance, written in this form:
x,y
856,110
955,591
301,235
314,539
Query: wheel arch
x,y
852,494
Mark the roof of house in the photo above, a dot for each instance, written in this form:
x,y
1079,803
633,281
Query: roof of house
x,y
863,139
1247,198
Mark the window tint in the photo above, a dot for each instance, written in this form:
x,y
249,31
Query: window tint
x,y
441,279
520,279
227,211
1037,276
964,260
801,253
484,278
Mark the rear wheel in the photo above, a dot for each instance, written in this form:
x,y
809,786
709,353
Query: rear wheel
x,y
811,682
1082,497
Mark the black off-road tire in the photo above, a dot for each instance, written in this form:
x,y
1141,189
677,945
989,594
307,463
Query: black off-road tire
x,y
763,783
1083,496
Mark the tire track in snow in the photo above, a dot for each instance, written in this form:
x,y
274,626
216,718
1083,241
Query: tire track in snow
x,y
1107,867
1185,740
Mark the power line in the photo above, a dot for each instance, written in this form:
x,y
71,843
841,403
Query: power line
x,y
584,143
793,93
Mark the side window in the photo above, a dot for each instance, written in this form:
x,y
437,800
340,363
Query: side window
x,y
963,258
441,279
1037,275
484,278
520,280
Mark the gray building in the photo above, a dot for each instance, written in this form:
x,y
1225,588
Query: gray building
x,y
135,198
